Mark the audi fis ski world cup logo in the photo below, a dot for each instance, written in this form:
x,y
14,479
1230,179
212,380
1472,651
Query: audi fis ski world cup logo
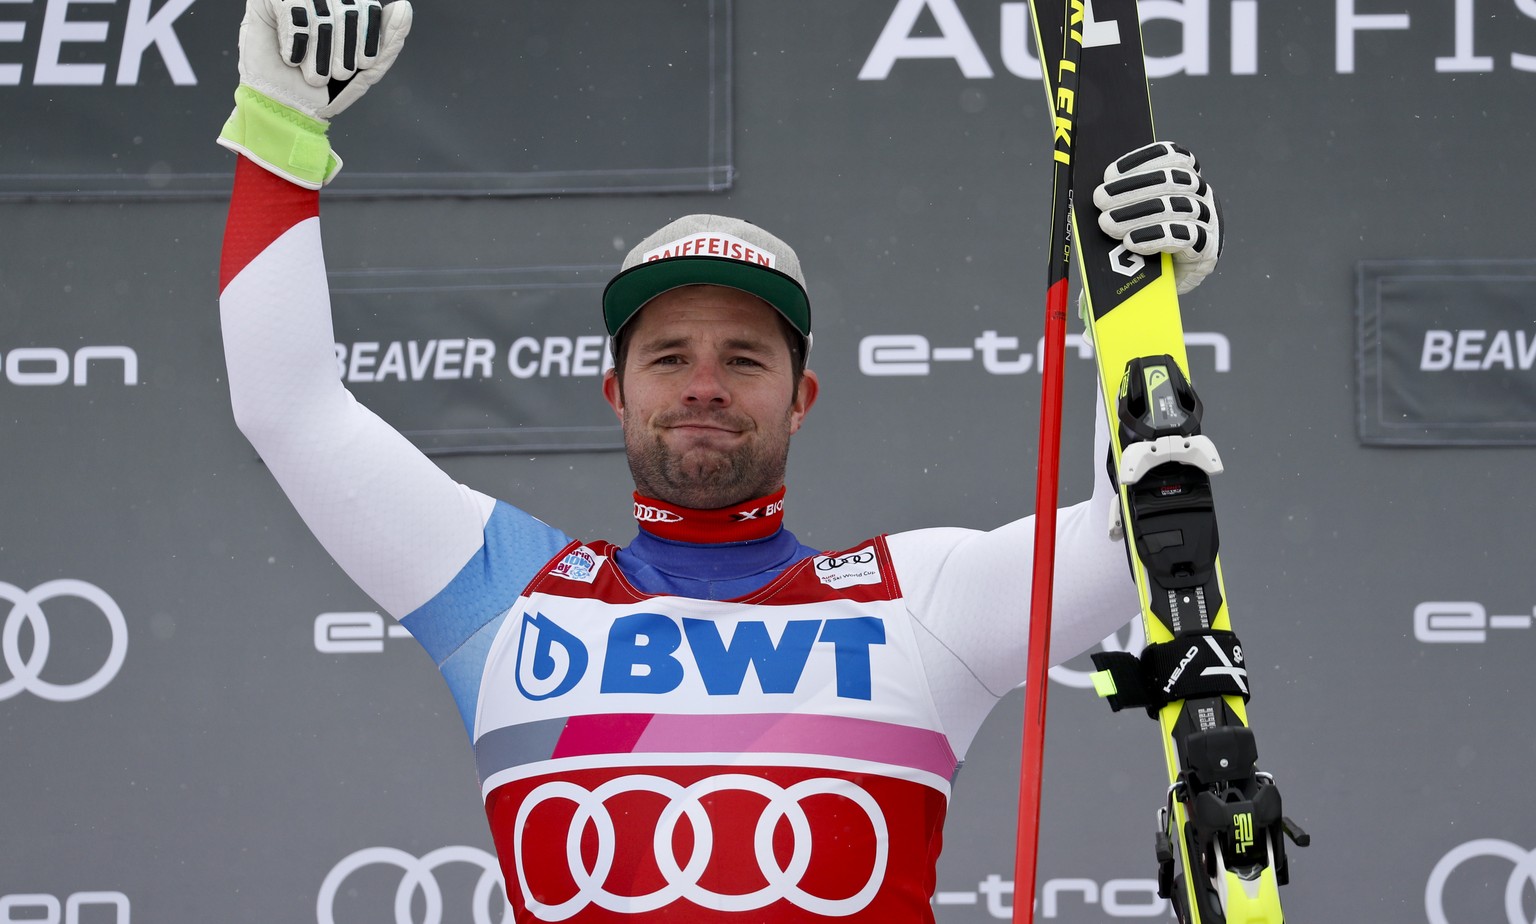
x,y
419,876
1488,854
27,609
846,570
732,842
827,564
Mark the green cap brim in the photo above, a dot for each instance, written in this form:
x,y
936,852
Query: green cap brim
x,y
629,291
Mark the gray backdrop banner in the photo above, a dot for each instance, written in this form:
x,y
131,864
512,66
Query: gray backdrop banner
x,y
618,115
1447,352
479,360
203,721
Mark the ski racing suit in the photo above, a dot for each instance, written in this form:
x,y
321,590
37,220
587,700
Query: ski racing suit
x,y
713,724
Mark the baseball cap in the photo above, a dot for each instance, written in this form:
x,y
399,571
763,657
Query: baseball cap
x,y
709,250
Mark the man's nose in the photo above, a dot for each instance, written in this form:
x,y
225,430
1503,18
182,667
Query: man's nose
x,y
706,385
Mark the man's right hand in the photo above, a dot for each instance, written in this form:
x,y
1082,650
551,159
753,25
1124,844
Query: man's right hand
x,y
302,62
319,56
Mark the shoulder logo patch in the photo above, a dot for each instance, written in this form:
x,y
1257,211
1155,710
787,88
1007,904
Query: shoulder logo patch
x,y
849,568
579,564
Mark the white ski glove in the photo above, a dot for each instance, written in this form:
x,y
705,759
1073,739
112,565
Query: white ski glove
x,y
302,62
1155,200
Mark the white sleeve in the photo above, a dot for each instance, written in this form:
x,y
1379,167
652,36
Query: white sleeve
x,y
969,590
395,522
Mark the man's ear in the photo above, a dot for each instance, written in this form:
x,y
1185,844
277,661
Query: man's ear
x,y
612,393
805,396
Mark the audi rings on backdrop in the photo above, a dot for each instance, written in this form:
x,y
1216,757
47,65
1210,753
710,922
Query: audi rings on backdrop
x,y
27,607
419,875
682,881
1523,874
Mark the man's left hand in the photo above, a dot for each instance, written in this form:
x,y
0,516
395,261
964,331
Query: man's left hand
x,y
1155,200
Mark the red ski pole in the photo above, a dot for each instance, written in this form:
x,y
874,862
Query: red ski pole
x,y
1032,759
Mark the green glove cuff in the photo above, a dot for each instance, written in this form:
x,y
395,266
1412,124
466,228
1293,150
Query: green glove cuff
x,y
281,139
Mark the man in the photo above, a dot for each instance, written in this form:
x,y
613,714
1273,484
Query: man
x,y
716,722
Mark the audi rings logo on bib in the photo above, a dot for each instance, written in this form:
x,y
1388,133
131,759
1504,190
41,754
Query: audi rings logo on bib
x,y
424,875
26,666
639,843
1513,860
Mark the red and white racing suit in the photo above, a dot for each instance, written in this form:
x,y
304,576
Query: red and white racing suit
x,y
738,730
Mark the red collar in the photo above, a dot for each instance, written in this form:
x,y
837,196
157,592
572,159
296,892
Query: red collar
x,y
748,520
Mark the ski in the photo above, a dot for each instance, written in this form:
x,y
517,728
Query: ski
x,y
1221,835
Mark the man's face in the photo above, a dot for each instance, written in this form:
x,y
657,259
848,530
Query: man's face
x,y
709,400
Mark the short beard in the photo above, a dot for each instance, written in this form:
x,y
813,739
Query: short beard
x,y
706,479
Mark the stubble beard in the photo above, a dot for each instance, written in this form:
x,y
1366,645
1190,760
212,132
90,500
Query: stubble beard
x,y
706,478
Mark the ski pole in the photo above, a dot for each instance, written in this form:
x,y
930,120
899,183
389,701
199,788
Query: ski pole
x,y
1048,468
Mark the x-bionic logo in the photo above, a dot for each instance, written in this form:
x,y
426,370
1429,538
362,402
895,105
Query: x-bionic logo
x,y
654,653
757,513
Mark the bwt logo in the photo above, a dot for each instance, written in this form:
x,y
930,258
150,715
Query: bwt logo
x,y
1116,898
53,366
1462,622
41,908
641,655
133,33
913,354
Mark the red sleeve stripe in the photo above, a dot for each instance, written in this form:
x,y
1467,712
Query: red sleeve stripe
x,y
262,207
